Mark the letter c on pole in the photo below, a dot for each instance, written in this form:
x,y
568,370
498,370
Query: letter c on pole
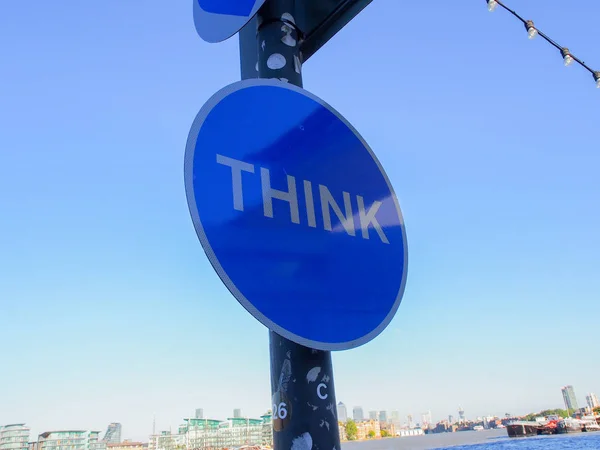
x,y
319,393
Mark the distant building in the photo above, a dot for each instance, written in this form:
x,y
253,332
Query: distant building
x,y
592,401
388,427
342,412
395,417
168,441
239,432
199,413
373,415
71,439
450,419
426,419
14,437
364,428
358,414
237,413
342,431
211,434
383,416
569,398
461,415
409,421
113,434
199,433
267,429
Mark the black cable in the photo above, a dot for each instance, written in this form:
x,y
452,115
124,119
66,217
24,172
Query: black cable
x,y
547,38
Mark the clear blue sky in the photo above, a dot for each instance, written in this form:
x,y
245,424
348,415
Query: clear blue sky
x,y
109,309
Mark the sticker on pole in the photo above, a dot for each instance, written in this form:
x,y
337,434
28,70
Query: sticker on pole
x,y
217,20
296,214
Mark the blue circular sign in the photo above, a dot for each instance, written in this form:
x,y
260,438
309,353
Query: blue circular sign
x,y
217,20
296,214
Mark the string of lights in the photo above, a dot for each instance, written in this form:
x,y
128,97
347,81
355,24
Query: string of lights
x,y
533,31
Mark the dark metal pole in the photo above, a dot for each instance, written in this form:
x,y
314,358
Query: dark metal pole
x,y
278,42
303,397
303,394
249,50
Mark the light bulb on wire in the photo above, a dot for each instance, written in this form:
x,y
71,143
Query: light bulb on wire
x,y
532,31
566,56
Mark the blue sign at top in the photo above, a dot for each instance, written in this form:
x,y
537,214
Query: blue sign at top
x,y
296,214
217,20
231,8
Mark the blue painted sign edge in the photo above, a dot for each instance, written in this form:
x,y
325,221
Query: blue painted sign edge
x,y
201,18
189,188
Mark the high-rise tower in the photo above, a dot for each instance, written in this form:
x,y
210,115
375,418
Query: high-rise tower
x,y
342,412
358,414
113,434
592,401
570,399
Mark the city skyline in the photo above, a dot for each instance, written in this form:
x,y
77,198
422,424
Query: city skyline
x,y
113,434
111,311
114,429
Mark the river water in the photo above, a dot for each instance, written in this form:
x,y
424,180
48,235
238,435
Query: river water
x,y
481,440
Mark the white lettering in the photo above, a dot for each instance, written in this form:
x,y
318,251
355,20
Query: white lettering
x,y
268,194
366,218
320,387
327,202
237,167
280,411
310,204
370,219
